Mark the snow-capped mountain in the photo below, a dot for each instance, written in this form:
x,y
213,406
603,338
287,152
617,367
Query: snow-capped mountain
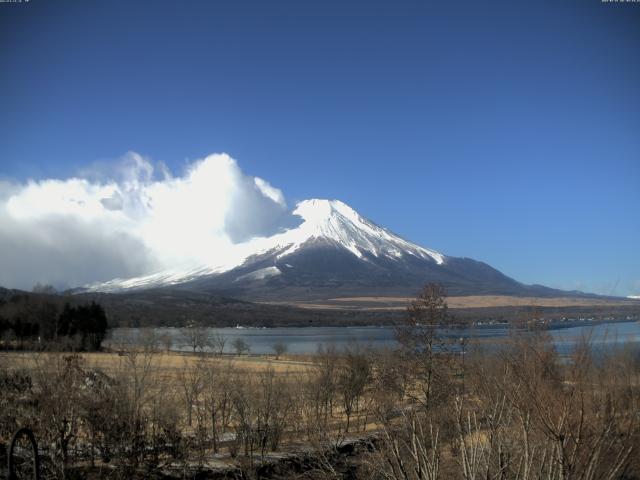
x,y
335,222
334,251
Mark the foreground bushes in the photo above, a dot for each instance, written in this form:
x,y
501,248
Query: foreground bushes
x,y
524,413
516,412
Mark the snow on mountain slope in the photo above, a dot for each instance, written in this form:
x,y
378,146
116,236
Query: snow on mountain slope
x,y
159,279
337,222
330,221
260,274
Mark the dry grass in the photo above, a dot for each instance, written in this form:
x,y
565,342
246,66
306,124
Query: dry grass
x,y
163,363
472,301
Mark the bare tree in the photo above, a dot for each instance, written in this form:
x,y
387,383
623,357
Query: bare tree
x,y
410,451
196,337
353,376
390,382
279,348
218,342
58,399
321,389
191,379
150,340
242,394
274,402
240,346
136,388
217,393
420,340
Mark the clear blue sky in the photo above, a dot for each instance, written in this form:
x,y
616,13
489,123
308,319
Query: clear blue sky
x,y
504,131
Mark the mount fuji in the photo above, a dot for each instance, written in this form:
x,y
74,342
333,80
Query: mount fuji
x,y
334,251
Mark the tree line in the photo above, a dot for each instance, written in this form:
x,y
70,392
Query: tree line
x,y
34,321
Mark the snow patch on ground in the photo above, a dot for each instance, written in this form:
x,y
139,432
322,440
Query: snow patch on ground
x,y
260,274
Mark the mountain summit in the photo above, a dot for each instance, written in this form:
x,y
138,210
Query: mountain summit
x,y
333,251
337,223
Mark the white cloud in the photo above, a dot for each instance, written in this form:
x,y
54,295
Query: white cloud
x,y
269,191
131,218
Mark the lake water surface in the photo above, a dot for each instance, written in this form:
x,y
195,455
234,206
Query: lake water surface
x,y
304,340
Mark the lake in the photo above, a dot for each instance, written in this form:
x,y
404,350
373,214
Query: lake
x,y
304,340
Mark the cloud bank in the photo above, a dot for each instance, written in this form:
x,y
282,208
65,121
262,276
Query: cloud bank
x,y
131,218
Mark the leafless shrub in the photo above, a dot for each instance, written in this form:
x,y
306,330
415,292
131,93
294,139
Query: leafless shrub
x,y
524,413
16,402
389,378
217,343
191,382
196,337
58,399
352,378
217,399
412,452
240,346
279,348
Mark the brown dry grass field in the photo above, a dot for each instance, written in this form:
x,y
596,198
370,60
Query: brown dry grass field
x,y
164,363
471,301
165,373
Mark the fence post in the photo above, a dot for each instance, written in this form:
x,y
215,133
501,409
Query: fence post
x,y
34,446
